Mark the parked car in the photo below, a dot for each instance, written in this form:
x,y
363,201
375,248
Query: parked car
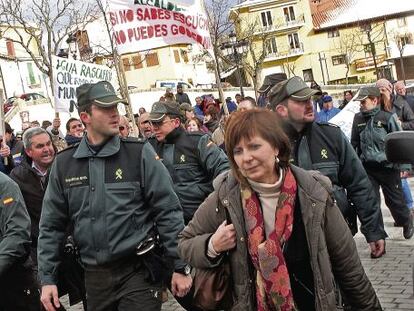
x,y
8,104
31,96
172,84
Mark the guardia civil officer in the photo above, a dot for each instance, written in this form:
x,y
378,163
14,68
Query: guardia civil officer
x,y
324,147
113,190
18,285
192,159
369,128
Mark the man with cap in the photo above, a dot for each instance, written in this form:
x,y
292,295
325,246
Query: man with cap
x,y
399,105
191,158
325,148
268,82
116,193
369,129
328,110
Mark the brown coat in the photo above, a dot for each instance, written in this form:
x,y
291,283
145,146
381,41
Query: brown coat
x,y
331,246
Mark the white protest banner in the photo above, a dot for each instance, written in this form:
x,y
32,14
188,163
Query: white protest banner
x,y
68,74
140,25
345,118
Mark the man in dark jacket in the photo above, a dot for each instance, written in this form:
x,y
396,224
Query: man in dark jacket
x,y
16,146
74,131
182,97
32,176
115,192
18,284
369,129
192,159
400,89
323,147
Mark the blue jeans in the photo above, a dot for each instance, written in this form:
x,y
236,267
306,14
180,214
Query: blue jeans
x,y
407,193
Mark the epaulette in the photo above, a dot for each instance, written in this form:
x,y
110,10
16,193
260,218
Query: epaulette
x,y
133,140
69,148
327,124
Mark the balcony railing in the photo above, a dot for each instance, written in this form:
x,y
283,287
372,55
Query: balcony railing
x,y
368,62
281,24
291,52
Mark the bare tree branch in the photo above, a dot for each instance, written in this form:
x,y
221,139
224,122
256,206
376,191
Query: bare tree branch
x,y
39,26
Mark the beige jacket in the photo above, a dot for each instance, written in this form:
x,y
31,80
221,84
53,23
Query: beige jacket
x,y
331,246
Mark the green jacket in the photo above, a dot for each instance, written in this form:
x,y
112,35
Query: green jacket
x,y
193,162
14,225
112,197
368,136
332,250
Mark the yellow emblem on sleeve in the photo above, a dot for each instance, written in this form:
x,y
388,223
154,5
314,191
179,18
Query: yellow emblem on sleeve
x,y
7,201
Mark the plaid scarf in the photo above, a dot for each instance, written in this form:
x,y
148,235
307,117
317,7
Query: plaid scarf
x,y
273,291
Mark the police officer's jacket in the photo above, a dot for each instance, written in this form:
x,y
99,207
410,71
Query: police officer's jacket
x,y
14,226
113,197
323,147
368,136
193,161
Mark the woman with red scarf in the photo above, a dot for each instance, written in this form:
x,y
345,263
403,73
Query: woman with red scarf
x,y
285,238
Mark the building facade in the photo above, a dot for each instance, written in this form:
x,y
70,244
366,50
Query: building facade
x,y
329,42
17,69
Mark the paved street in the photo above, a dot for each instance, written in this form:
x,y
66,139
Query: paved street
x,y
391,275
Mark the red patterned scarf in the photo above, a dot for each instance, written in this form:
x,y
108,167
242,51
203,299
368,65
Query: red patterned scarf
x,y
273,291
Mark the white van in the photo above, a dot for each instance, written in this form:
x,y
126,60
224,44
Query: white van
x,y
172,84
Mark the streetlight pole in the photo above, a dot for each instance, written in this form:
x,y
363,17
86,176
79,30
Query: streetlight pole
x,y
238,75
235,48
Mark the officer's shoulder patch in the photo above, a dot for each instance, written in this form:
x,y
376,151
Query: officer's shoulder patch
x,y
7,200
133,140
68,148
327,124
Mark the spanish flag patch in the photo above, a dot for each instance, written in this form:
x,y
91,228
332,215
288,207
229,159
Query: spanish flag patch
x,y
7,201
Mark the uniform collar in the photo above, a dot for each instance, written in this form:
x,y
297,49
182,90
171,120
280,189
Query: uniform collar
x,y
110,148
172,136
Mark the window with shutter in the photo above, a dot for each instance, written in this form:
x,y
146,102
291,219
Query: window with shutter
x,y
127,65
152,59
137,62
176,56
10,48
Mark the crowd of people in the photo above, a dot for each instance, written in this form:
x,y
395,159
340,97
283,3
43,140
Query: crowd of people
x,y
269,187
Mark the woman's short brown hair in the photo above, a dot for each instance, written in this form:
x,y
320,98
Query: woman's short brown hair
x,y
256,122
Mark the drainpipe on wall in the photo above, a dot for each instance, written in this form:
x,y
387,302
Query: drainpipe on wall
x,y
20,75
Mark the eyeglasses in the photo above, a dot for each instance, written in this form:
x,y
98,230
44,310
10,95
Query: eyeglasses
x,y
160,123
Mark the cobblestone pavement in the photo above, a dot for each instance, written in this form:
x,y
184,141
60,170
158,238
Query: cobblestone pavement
x,y
390,275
